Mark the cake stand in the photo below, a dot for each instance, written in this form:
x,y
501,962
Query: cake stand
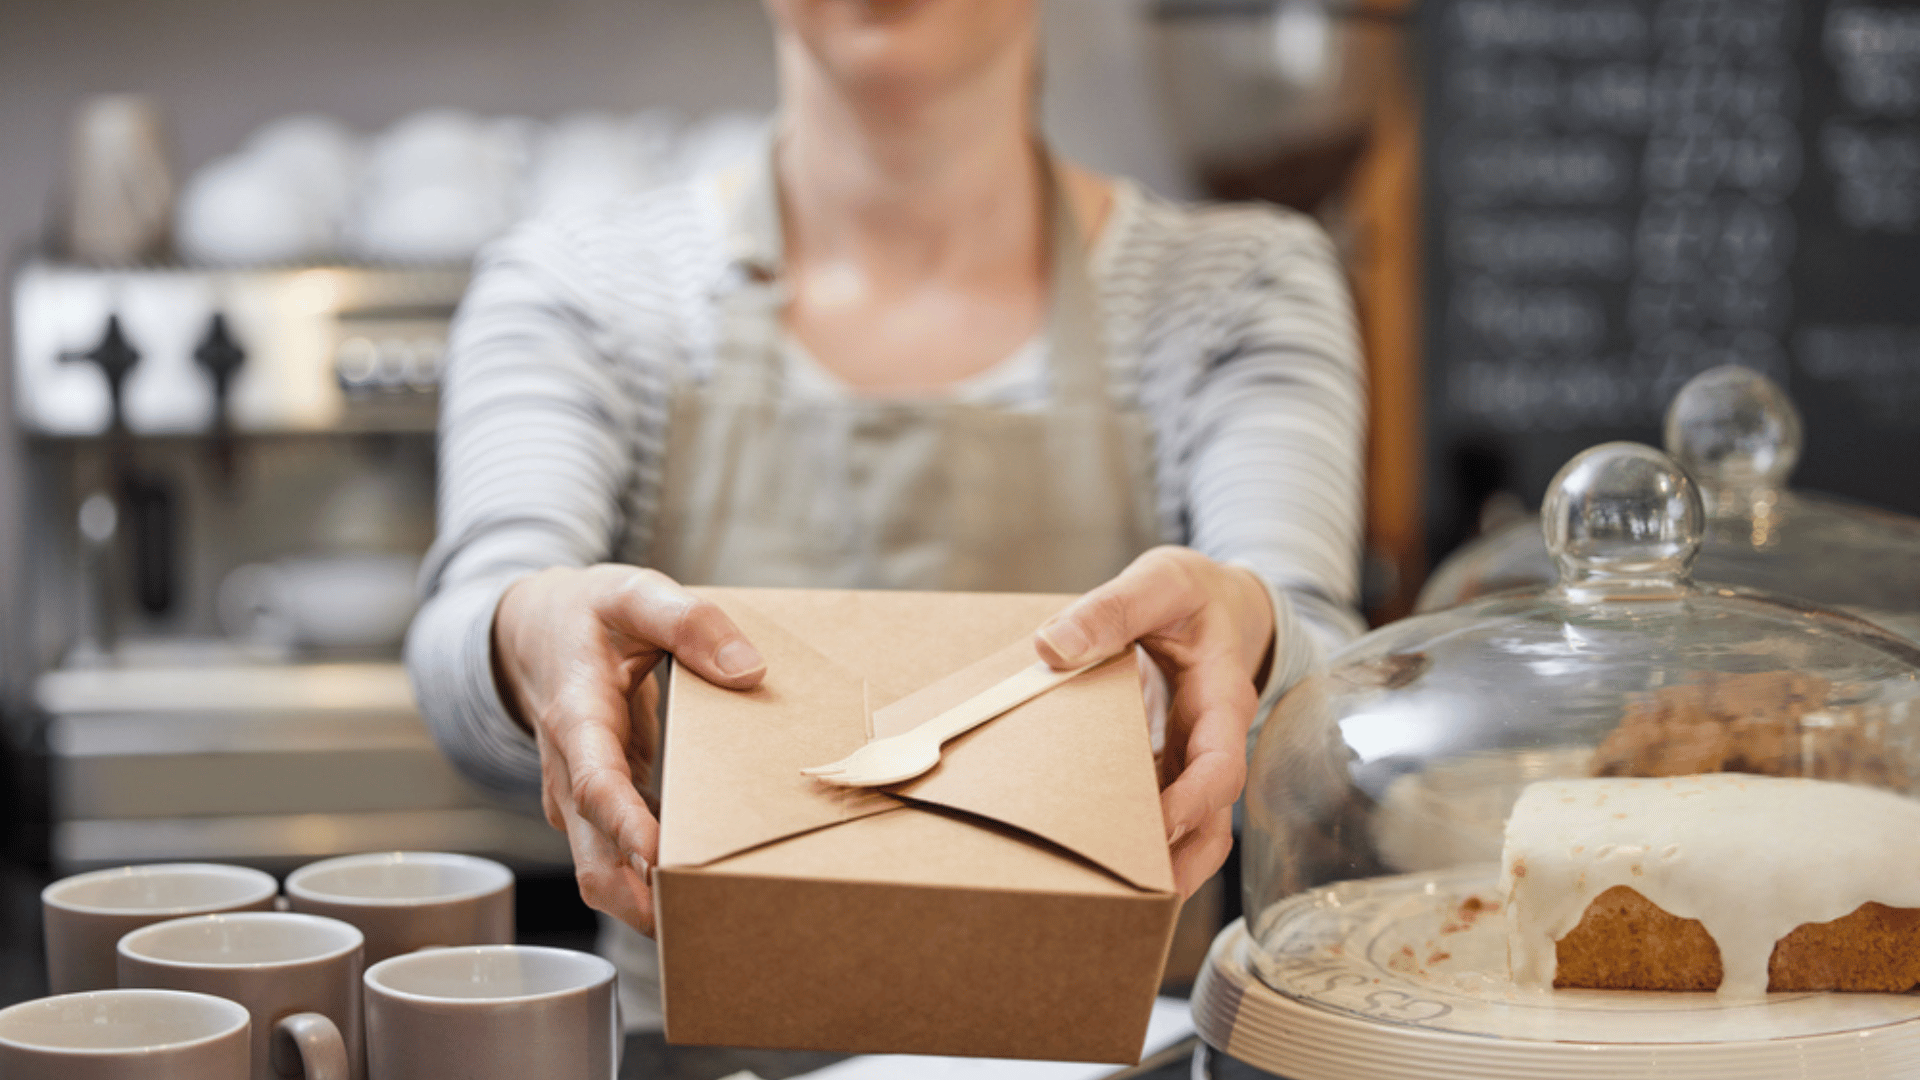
x,y
1404,978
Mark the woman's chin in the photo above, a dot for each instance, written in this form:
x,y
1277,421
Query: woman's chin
x,y
904,48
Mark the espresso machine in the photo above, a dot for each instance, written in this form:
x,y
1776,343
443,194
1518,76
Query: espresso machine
x,y
229,484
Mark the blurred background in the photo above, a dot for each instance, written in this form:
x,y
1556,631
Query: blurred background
x,y
236,230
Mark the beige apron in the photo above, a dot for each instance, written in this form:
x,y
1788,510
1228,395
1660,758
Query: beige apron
x,y
759,490
899,494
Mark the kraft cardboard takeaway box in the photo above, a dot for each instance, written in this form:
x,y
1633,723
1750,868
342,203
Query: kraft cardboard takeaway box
x,y
1017,901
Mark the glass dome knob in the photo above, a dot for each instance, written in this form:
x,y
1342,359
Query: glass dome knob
x,y
1733,428
1622,518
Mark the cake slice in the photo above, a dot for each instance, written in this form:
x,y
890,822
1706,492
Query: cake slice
x,y
1724,881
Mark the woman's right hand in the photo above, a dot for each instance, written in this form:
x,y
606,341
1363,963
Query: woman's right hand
x,y
574,650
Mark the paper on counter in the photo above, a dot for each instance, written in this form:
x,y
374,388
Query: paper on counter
x,y
1171,1022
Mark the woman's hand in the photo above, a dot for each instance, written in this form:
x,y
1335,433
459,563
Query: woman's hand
x,y
574,651
1209,627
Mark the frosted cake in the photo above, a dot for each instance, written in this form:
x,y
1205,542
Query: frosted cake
x,y
1723,881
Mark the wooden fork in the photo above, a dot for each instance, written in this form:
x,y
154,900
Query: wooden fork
x,y
914,751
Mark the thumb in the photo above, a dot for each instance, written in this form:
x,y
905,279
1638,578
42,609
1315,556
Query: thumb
x,y
1063,641
1091,628
662,614
1154,591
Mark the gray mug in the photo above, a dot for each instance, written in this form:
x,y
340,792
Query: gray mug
x,y
493,1012
87,914
125,1035
407,900
298,976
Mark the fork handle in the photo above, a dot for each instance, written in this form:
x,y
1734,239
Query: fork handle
x,y
1015,690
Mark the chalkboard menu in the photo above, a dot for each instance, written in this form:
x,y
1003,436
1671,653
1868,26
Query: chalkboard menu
x,y
1622,193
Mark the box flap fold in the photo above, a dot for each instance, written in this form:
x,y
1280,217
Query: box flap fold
x,y
1071,767
808,710
1061,766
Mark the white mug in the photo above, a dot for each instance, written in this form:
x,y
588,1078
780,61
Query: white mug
x,y
297,975
124,1035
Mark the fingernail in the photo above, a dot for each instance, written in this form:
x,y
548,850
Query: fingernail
x,y
1174,837
1067,639
639,864
737,658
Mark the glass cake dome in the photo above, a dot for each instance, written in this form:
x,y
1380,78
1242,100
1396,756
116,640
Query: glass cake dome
x,y
1738,435
1375,942
1406,753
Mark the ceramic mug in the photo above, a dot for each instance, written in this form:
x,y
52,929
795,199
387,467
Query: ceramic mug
x,y
124,1035
407,900
297,975
493,1012
87,914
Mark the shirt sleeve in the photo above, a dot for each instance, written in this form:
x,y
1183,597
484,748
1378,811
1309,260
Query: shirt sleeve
x,y
532,471
1271,433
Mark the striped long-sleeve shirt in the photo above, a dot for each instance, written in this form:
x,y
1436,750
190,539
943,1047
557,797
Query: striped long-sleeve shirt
x,y
1230,326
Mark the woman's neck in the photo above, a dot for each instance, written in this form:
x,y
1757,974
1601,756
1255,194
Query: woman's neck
x,y
911,187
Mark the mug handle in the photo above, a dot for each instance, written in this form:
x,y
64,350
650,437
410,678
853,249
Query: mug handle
x,y
308,1045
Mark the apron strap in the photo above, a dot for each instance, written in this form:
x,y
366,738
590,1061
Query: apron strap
x,y
748,355
753,294
1077,350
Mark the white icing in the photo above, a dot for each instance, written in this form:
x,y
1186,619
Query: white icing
x,y
1751,857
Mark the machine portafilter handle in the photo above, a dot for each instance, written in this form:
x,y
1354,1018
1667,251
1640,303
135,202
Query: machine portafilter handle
x,y
147,502
115,356
222,357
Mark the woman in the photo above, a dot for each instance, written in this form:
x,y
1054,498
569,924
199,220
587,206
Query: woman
x,y
904,348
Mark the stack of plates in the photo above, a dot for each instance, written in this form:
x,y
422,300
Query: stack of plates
x,y
1404,978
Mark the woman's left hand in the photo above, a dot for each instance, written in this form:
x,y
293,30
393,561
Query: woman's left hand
x,y
1209,627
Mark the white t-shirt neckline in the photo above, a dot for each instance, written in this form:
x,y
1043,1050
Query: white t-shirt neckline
x,y
806,378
